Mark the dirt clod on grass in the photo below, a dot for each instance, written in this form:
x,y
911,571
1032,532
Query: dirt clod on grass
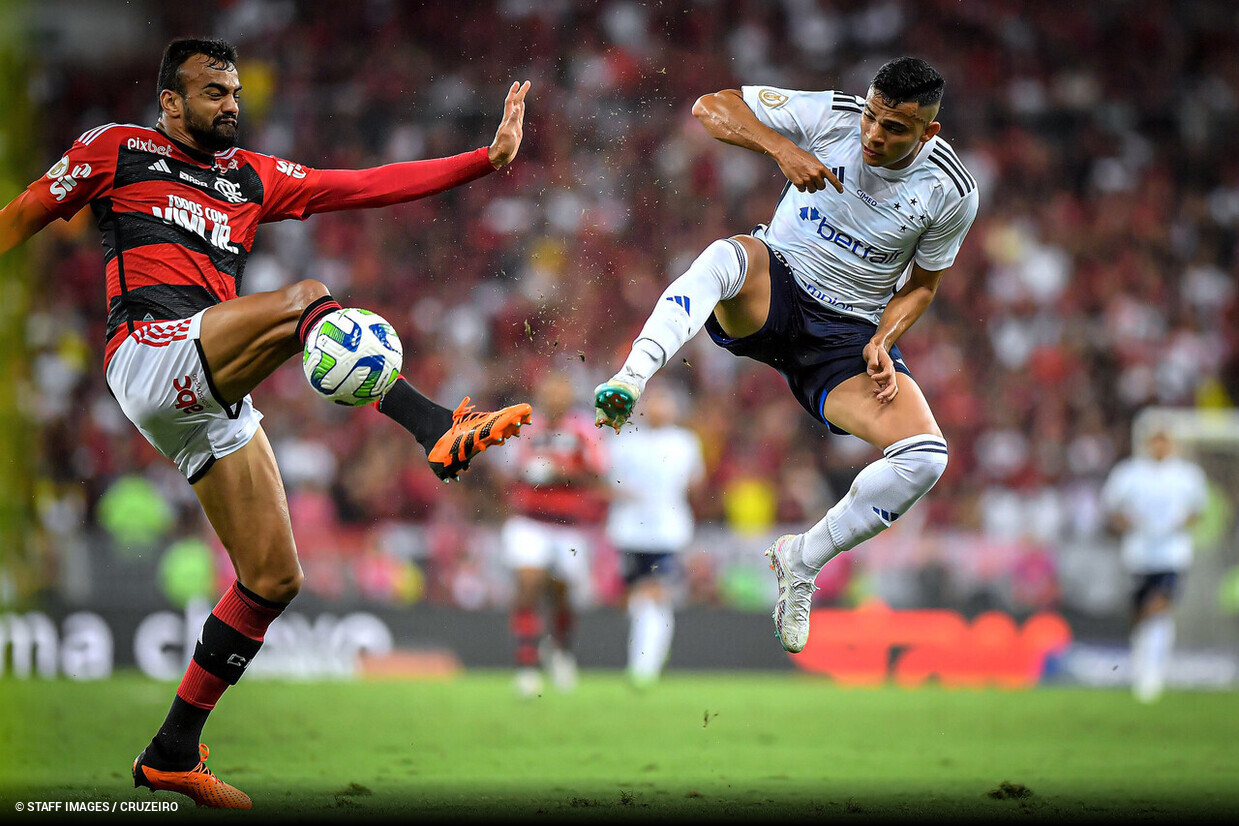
x,y
1010,791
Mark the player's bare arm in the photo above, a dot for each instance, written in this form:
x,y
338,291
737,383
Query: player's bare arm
x,y
511,129
23,217
729,119
905,307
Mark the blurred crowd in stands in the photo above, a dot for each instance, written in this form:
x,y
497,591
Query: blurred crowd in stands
x,y
1098,279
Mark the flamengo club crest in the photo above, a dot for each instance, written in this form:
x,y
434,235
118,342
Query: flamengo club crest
x,y
230,191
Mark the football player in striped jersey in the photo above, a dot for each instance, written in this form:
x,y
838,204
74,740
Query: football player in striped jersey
x,y
178,205
556,501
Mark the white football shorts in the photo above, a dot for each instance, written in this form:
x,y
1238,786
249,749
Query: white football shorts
x,y
561,550
159,376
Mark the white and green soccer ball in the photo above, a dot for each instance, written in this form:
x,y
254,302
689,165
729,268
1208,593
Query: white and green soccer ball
x,y
352,356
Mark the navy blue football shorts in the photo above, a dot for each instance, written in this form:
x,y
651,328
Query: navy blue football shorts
x,y
1165,583
635,565
814,348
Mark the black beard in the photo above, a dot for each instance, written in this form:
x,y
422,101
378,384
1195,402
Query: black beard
x,y
217,138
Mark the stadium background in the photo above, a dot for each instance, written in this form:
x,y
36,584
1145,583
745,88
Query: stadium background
x,y
1098,281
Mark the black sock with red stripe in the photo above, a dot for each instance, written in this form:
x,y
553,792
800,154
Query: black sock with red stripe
x,y
313,314
526,627
561,627
230,638
414,412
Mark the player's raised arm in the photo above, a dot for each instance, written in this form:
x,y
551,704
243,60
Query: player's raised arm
x,y
21,218
511,129
729,119
396,183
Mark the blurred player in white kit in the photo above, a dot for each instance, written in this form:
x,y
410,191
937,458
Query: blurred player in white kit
x,y
655,468
1153,500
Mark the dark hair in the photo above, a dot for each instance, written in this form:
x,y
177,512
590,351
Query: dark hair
x,y
221,53
909,79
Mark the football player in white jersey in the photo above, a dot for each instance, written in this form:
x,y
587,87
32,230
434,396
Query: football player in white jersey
x,y
655,469
876,207
1153,500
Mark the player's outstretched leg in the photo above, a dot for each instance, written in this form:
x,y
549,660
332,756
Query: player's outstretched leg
x,y
716,275
199,783
449,439
795,581
471,433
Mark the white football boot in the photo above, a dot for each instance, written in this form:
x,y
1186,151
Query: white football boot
x,y
528,683
791,611
562,667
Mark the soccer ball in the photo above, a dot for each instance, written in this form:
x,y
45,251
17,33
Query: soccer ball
x,y
352,356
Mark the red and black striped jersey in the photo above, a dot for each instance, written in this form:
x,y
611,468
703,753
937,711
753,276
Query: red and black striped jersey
x,y
179,224
557,467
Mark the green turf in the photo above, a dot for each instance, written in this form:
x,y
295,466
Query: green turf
x,y
716,746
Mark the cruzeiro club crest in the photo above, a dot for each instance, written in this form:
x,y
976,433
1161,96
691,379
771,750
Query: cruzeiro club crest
x,y
771,99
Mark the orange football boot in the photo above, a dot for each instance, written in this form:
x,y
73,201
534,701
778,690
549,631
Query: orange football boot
x,y
471,433
199,784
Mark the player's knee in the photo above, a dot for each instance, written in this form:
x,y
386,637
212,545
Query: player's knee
x,y
280,587
287,588
728,264
921,461
1158,603
302,294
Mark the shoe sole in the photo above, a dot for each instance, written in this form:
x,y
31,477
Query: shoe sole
x,y
613,405
781,575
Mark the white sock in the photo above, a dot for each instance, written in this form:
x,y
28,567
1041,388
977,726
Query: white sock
x,y
1139,653
685,306
1152,641
880,494
652,623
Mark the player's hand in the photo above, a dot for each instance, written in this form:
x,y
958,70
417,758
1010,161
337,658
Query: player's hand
x,y
511,128
881,369
805,170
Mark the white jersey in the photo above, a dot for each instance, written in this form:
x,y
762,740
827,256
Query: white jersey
x,y
848,250
1158,499
651,472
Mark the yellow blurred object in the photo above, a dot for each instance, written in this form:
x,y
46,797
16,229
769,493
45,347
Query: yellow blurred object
x,y
258,78
1212,395
750,506
411,584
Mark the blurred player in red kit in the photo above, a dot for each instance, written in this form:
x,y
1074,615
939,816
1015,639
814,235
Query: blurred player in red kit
x,y
178,205
555,497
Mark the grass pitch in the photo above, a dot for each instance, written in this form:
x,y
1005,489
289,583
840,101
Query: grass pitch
x,y
697,746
